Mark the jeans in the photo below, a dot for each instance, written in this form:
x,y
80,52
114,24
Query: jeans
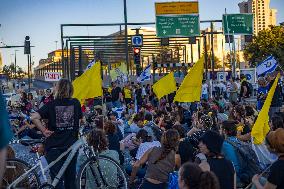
x,y
109,106
148,185
140,173
69,176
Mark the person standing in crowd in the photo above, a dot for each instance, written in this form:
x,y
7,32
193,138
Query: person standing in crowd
x,y
233,91
107,99
211,145
275,180
204,90
63,115
160,162
191,176
116,95
277,97
262,92
138,96
127,94
245,88
5,135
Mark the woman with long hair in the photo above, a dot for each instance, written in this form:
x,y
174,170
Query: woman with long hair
x,y
161,161
191,176
63,115
211,145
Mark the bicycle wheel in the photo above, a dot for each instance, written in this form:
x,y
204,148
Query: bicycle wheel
x,y
101,172
14,169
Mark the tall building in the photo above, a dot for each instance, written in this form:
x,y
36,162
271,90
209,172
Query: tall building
x,y
264,16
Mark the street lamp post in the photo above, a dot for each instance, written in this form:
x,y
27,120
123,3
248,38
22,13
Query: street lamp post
x,y
16,64
56,44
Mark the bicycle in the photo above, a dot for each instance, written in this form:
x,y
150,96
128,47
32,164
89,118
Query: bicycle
x,y
94,172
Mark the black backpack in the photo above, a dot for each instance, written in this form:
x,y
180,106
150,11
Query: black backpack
x,y
249,164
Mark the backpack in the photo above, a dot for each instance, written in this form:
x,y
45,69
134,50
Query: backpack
x,y
173,180
249,164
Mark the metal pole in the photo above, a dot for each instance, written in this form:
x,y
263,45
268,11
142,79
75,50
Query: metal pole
x,y
62,51
205,55
191,53
233,68
80,61
234,58
15,64
198,40
28,56
154,67
212,51
126,35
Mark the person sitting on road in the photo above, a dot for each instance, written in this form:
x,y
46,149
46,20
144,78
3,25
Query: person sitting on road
x,y
210,145
191,176
160,160
275,180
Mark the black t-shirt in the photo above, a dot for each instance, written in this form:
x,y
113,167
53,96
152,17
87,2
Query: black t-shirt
x,y
63,117
186,151
224,171
277,97
138,93
115,93
108,97
276,175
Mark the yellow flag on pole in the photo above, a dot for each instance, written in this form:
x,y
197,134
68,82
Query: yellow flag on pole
x,y
118,72
190,88
261,126
165,85
89,84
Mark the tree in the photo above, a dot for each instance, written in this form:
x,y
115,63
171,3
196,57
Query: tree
x,y
228,57
217,62
10,71
267,42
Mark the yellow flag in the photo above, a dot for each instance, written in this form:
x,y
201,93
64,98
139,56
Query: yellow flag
x,y
190,88
119,71
165,85
89,84
261,127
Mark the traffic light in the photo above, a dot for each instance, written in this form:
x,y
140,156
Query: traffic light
x,y
165,41
27,46
248,38
136,55
192,40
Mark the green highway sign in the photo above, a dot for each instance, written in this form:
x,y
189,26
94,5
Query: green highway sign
x,y
238,24
177,25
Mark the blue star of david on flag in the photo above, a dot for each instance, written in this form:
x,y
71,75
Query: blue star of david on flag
x,y
145,75
269,65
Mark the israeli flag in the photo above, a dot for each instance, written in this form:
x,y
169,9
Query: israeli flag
x,y
267,66
145,75
118,111
90,64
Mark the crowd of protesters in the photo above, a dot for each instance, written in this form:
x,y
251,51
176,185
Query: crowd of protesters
x,y
161,143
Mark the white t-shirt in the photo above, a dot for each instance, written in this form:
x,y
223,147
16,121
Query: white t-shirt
x,y
144,147
204,89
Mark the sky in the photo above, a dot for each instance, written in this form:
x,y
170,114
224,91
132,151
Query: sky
x,y
41,19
